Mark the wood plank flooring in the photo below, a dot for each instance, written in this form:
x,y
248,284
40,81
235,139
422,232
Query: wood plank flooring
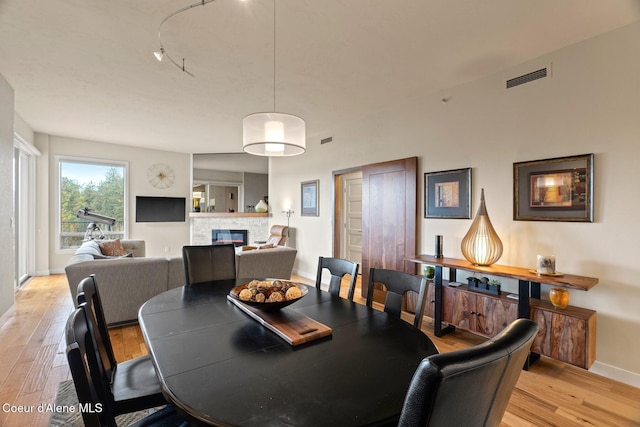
x,y
32,363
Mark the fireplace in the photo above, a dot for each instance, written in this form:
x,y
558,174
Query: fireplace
x,y
237,237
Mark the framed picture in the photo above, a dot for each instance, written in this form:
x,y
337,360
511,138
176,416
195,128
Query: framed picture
x,y
558,189
310,198
448,194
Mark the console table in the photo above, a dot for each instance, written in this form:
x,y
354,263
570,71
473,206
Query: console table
x,y
575,345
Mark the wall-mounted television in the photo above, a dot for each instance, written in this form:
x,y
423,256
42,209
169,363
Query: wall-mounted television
x,y
160,209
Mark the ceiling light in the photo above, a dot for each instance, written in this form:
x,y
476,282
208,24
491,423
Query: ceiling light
x,y
163,53
273,134
159,54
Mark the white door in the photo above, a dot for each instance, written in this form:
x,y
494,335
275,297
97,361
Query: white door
x,y
24,215
351,242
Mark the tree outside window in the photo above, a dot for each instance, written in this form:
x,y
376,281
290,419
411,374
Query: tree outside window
x,y
94,185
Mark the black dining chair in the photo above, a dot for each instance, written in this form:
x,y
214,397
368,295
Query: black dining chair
x,y
207,263
91,388
469,387
397,284
134,383
338,268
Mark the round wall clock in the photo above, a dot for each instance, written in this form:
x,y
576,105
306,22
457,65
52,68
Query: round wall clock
x,y
161,175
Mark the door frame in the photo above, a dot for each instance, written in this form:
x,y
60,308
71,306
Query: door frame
x,y
337,206
411,237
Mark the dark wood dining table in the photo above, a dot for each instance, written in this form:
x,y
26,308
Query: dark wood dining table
x,y
218,366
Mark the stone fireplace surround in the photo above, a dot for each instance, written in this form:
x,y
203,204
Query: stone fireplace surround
x,y
202,224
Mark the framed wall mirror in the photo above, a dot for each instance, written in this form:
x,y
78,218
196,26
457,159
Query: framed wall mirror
x,y
229,182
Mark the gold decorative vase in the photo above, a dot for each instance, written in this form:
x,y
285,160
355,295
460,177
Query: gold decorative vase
x,y
559,297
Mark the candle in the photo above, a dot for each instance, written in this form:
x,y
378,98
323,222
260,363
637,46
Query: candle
x,y
546,264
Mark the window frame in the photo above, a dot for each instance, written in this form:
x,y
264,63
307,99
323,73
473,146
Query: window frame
x,y
59,159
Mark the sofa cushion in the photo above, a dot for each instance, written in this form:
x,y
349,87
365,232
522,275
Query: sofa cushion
x,y
112,248
275,263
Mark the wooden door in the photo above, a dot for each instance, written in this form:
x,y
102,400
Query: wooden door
x,y
389,199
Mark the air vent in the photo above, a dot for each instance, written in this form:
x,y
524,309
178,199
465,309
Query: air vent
x,y
526,78
326,140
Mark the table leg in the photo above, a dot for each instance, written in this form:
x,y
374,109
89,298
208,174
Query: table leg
x,y
438,330
527,290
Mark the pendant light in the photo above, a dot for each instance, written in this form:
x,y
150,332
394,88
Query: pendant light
x,y
481,245
273,134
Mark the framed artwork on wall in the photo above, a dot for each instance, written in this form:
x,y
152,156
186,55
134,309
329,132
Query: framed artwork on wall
x,y
447,194
310,198
558,189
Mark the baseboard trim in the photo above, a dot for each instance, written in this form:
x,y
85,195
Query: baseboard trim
x,y
617,374
44,273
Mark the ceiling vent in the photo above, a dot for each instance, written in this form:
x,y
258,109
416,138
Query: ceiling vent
x,y
526,78
326,140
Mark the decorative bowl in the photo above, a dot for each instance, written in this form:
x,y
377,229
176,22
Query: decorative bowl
x,y
268,306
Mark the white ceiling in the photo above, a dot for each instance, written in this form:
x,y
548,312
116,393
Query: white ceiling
x,y
85,68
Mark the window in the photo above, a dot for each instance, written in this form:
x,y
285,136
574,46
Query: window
x,y
94,184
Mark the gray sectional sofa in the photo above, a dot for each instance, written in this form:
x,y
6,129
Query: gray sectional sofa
x,y
127,282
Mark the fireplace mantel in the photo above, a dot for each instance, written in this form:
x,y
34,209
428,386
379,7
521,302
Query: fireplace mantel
x,y
227,214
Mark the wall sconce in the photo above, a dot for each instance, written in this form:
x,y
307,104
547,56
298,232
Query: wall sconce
x,y
481,245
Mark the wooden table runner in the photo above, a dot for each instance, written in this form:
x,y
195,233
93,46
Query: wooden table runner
x,y
291,326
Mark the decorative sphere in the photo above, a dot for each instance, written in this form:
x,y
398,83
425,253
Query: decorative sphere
x,y
559,297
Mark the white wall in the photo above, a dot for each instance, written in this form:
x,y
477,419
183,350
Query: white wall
x,y
591,104
7,260
162,239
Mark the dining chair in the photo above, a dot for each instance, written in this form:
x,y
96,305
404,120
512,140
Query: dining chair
x,y
133,384
469,387
338,268
207,263
91,388
397,284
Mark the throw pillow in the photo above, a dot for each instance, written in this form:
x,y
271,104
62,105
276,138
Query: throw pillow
x,y
112,247
89,248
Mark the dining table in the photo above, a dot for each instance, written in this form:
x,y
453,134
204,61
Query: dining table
x,y
220,366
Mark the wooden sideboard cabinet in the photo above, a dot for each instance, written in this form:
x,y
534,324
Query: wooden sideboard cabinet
x,y
483,314
566,334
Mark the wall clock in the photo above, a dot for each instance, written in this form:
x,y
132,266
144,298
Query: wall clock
x,y
161,175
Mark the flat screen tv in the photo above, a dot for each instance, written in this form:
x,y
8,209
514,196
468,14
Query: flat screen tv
x,y
160,209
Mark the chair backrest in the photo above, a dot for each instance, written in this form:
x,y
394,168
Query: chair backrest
x,y
209,262
338,267
397,284
88,379
469,387
277,235
89,295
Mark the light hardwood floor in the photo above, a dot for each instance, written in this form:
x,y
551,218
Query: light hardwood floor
x,y
32,363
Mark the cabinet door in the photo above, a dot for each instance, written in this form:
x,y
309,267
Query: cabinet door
x,y
430,302
494,314
561,337
457,308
